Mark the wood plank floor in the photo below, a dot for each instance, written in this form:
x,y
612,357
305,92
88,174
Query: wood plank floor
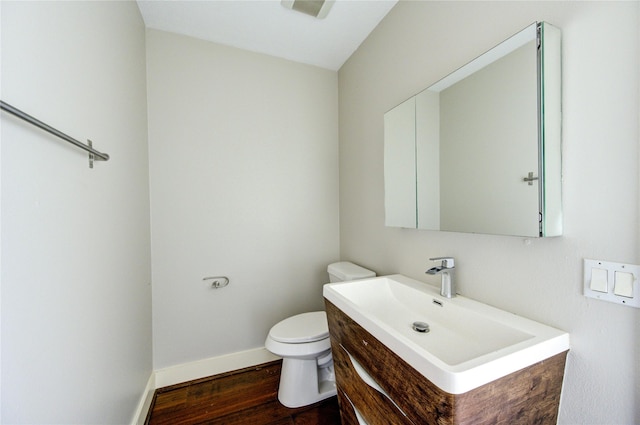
x,y
247,396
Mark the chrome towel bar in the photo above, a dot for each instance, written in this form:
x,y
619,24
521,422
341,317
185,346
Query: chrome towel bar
x,y
93,154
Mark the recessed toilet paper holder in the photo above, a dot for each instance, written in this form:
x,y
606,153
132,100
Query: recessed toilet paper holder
x,y
217,281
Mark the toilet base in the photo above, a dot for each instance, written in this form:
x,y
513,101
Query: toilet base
x,y
302,385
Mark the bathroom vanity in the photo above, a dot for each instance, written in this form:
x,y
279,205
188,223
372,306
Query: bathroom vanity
x,y
386,375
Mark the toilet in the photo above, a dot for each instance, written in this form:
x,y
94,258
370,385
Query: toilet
x,y
303,343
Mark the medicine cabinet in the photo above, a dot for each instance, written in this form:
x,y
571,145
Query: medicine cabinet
x,y
479,151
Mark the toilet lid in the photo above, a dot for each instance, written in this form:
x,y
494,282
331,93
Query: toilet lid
x,y
305,327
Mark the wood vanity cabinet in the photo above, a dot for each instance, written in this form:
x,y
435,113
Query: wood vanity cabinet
x,y
528,396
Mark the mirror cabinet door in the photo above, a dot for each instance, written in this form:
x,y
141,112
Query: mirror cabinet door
x,y
400,165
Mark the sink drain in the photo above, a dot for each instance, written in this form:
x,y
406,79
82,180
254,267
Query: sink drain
x,y
421,327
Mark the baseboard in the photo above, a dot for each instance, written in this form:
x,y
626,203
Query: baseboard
x,y
195,370
145,401
212,366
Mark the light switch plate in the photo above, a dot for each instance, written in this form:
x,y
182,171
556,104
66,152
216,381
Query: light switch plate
x,y
627,280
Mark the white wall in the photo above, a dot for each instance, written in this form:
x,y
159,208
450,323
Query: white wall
x,y
415,45
244,183
76,299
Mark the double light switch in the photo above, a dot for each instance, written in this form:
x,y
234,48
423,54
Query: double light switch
x,y
614,282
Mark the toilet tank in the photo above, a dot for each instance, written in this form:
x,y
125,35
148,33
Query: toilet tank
x,y
344,270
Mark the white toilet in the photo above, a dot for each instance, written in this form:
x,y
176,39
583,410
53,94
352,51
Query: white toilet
x,y
303,343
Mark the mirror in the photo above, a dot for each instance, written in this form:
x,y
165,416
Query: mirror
x,y
479,151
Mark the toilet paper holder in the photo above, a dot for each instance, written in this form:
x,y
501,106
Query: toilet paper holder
x,y
217,281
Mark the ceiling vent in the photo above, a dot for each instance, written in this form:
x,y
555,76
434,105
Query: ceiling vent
x,y
316,8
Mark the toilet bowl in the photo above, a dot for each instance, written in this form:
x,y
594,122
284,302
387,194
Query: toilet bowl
x,y
304,345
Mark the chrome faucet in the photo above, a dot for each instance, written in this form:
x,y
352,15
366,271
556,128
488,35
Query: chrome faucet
x,y
446,268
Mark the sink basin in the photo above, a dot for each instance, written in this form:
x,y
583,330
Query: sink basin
x,y
468,343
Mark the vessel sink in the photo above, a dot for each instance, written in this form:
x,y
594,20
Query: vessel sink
x,y
468,343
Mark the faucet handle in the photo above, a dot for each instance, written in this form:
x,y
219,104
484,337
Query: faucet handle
x,y
447,262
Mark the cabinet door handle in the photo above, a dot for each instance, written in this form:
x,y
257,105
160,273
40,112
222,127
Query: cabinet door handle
x,y
359,417
529,179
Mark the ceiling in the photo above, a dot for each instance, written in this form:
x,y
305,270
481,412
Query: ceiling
x,y
265,26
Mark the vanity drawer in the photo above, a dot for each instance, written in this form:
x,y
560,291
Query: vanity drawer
x,y
419,399
374,407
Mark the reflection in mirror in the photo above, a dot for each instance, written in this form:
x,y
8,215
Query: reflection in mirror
x,y
479,151
400,181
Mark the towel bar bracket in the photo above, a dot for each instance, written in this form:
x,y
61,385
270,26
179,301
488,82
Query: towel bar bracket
x,y
91,155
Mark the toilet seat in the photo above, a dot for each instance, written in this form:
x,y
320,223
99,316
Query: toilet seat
x,y
302,328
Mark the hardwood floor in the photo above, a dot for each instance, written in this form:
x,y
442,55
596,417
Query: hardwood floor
x,y
247,396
